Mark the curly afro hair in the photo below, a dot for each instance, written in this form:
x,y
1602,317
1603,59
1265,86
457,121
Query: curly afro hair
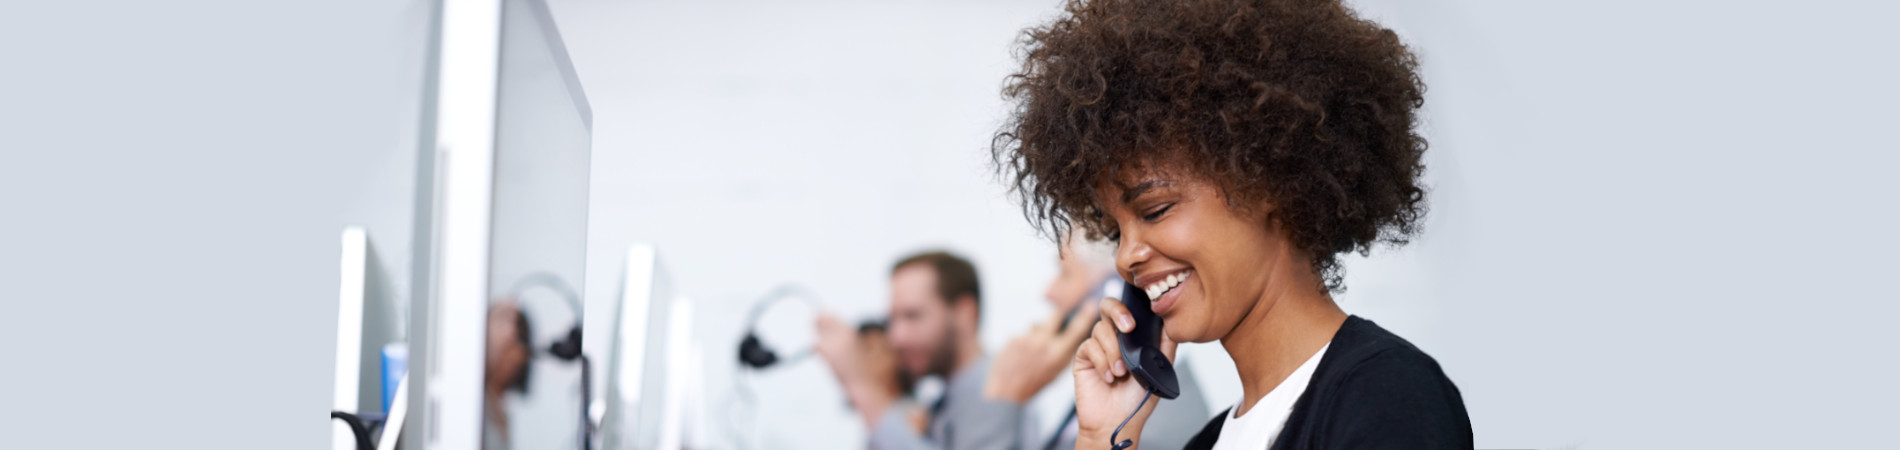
x,y
1300,103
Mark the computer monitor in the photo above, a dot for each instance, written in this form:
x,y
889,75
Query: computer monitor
x,y
505,188
642,404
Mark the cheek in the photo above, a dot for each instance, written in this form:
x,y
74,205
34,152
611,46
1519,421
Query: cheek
x,y
910,337
1191,323
899,334
1202,317
905,341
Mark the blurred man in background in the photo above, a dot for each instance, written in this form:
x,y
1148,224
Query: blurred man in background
x,y
935,309
1036,358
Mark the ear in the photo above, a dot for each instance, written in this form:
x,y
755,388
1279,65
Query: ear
x,y
967,312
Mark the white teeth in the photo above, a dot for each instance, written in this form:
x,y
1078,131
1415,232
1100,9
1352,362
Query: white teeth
x,y
1166,284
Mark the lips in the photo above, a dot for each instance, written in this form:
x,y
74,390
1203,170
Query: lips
x,y
1165,291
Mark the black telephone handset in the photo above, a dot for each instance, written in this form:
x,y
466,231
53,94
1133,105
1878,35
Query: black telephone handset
x,y
1141,348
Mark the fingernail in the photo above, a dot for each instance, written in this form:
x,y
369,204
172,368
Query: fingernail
x,y
1106,378
1126,323
1120,367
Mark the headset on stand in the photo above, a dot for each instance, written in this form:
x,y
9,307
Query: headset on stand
x,y
568,348
755,355
752,351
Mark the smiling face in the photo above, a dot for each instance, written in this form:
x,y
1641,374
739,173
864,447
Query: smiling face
x,y
1205,264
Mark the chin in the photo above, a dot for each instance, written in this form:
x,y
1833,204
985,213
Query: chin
x,y
1181,325
1185,334
1188,325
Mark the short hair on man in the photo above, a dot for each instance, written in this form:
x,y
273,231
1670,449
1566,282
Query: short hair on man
x,y
955,275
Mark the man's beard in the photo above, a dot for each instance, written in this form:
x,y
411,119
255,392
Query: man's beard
x,y
943,360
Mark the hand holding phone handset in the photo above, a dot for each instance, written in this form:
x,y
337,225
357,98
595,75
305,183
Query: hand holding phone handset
x,y
1141,347
1127,343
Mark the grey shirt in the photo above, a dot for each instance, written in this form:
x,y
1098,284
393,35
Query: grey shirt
x,y
961,419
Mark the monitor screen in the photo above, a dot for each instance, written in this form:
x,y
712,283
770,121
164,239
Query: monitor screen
x,y
506,223
538,246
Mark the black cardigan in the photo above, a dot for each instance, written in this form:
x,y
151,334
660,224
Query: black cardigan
x,y
1371,390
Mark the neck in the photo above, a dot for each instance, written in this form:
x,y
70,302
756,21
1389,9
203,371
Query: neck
x,y
493,406
1292,320
967,353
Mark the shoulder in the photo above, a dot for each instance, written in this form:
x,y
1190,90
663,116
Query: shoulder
x,y
1374,381
1362,350
1360,340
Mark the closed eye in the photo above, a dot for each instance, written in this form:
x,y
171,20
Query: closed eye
x,y
1156,215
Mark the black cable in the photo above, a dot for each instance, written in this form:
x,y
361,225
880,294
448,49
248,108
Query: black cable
x,y
357,428
1125,443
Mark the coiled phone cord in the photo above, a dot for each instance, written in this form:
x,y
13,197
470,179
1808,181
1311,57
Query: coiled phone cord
x,y
1125,443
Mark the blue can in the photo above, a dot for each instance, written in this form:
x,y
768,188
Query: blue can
x,y
395,366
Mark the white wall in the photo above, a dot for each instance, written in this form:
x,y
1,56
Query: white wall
x,y
766,142
1654,224
1658,224
174,180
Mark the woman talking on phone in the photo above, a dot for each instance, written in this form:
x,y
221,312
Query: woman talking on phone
x,y
1234,149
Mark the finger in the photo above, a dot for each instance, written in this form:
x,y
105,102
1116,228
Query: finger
x,y
1089,359
1086,355
1106,338
1113,311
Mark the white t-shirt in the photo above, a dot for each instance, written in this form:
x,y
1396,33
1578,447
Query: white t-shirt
x,y
1257,429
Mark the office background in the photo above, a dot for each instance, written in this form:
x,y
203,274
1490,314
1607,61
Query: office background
x,y
1654,224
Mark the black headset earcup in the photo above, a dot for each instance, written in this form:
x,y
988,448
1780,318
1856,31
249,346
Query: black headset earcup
x,y
570,348
753,353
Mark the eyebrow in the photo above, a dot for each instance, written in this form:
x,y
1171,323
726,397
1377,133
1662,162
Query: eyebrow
x,y
1129,195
